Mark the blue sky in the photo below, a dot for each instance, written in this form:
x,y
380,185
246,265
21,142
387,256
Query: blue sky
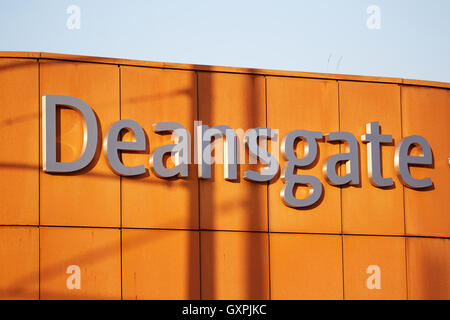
x,y
413,40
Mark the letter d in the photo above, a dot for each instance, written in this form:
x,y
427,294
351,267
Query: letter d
x,y
49,105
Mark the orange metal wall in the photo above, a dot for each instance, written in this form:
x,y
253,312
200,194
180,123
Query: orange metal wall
x,y
148,238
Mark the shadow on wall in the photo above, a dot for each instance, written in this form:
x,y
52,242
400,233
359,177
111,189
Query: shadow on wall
x,y
94,255
434,267
217,282
254,287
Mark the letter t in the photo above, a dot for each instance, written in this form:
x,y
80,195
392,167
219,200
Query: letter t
x,y
374,139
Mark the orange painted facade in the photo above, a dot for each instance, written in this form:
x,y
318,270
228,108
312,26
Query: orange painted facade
x,y
150,238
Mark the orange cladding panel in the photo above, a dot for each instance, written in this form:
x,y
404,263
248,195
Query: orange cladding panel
x,y
161,264
80,263
367,209
150,96
91,198
374,267
235,265
19,263
305,266
428,268
309,105
19,143
95,235
237,101
426,112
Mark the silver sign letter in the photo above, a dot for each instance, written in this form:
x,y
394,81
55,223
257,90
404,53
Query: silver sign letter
x,y
49,105
374,139
402,160
204,136
112,145
180,151
288,175
251,139
350,158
